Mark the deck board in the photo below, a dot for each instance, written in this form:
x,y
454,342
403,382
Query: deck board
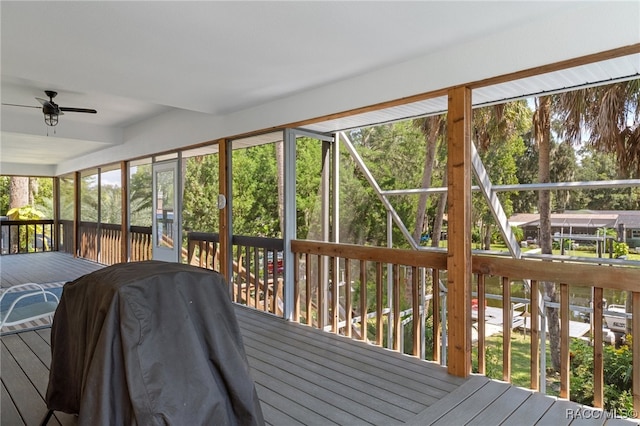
x,y
530,411
502,407
9,413
43,268
28,401
302,375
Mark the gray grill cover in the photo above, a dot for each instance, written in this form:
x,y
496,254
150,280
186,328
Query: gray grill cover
x,y
150,343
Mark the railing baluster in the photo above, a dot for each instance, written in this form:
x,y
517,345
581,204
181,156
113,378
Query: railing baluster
x,y
258,278
379,306
437,340
535,336
308,299
320,298
395,312
507,320
635,325
347,297
296,288
363,300
598,358
564,341
482,348
335,294
418,321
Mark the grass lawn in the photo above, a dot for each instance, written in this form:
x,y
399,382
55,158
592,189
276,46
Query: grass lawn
x,y
520,361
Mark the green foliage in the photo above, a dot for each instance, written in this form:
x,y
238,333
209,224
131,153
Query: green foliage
x,y
140,197
620,249
255,192
518,232
24,213
602,166
617,375
394,154
4,194
201,188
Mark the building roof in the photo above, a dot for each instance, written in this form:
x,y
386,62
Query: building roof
x,y
582,218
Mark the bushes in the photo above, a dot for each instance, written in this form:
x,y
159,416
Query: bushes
x,y
617,375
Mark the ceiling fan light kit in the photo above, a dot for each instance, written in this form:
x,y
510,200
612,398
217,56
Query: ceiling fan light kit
x,y
52,111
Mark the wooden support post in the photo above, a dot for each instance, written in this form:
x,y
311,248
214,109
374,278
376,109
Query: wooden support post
x,y
635,350
124,222
56,214
459,231
76,215
223,222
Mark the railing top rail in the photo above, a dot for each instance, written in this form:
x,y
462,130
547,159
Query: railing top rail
x,y
259,242
418,258
212,237
26,222
619,276
240,240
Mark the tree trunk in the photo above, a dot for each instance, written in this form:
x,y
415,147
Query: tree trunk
x,y
486,237
437,221
18,197
543,138
430,131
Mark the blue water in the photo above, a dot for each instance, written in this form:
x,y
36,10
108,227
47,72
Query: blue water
x,y
9,298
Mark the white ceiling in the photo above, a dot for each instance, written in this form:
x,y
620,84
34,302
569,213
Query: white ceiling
x,y
169,74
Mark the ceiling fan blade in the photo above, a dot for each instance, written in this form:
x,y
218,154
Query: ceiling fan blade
x,y
44,102
87,110
24,106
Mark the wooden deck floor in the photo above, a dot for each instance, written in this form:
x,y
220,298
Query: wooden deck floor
x,y
305,376
42,268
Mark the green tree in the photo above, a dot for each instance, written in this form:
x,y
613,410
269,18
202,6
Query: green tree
x,y
596,166
200,200
499,138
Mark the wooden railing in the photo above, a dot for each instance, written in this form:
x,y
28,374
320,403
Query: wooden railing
x,y
257,267
368,277
103,243
26,236
140,243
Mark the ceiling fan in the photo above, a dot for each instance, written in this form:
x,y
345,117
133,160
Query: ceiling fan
x,y
52,110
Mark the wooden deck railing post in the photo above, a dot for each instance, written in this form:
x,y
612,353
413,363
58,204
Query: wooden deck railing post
x,y
77,248
459,231
635,379
124,222
224,215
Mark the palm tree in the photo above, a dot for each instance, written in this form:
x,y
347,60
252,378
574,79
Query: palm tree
x,y
542,135
609,117
433,128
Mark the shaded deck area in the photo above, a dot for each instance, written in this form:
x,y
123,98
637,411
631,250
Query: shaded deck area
x,y
306,376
